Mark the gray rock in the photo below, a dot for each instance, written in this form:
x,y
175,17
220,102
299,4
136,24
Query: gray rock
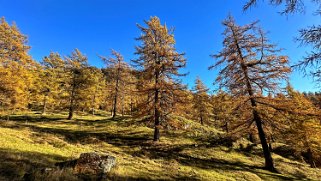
x,y
108,163
94,164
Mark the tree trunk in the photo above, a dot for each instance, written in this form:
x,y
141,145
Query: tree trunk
x,y
44,105
93,111
310,158
256,117
93,103
115,104
269,165
270,146
71,113
226,127
157,124
251,137
156,109
72,96
122,106
202,123
116,90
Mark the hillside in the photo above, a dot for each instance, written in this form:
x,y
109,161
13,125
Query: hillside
x,y
30,141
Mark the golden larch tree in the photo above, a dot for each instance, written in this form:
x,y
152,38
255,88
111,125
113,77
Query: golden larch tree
x,y
159,64
250,67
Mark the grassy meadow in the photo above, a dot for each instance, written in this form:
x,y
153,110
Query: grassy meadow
x,y
29,141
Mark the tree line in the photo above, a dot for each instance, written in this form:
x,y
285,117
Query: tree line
x,y
251,99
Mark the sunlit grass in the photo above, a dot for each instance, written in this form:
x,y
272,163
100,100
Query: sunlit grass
x,y
31,140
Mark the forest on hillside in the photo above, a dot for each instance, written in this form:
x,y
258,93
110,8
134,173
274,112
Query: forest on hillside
x,y
254,99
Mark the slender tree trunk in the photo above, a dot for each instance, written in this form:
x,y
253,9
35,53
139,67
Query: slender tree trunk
x,y
310,158
122,105
309,152
93,111
115,102
156,109
93,103
251,137
115,107
44,105
270,146
202,123
71,113
266,151
72,97
157,122
269,165
116,91
226,127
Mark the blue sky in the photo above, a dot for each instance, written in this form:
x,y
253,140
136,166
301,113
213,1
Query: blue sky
x,y
96,26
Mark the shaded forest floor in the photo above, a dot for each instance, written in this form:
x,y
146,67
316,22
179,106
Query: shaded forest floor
x,y
29,141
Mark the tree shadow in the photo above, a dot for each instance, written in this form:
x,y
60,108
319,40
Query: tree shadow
x,y
26,118
11,167
14,163
171,152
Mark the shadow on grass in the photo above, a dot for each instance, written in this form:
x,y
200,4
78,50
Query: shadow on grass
x,y
34,119
174,152
14,164
19,165
129,139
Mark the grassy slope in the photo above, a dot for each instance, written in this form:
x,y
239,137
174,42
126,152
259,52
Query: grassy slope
x,y
31,141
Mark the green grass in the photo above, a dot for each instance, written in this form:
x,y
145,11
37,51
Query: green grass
x,y
29,141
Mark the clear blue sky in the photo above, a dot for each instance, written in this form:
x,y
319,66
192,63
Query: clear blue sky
x,y
96,26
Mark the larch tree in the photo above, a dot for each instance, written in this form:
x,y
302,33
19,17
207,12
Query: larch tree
x,y
291,6
95,88
309,36
77,81
302,129
118,68
131,91
222,110
250,67
201,101
159,64
51,78
16,67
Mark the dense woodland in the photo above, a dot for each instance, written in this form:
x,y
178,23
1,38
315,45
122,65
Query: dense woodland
x,y
254,99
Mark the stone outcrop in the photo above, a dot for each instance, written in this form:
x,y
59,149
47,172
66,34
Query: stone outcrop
x,y
93,163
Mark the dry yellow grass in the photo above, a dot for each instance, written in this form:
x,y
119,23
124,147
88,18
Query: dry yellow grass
x,y
29,141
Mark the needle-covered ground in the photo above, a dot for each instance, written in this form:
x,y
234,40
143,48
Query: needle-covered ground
x,y
29,141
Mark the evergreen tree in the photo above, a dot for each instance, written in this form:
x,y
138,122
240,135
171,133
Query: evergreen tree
x,y
310,36
291,6
201,101
117,75
159,63
250,67
223,112
16,67
302,125
51,79
76,64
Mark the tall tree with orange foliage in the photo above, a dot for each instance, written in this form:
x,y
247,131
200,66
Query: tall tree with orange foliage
x,y
16,67
77,81
201,103
118,68
250,67
159,63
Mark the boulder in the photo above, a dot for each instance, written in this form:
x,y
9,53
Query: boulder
x,y
94,164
